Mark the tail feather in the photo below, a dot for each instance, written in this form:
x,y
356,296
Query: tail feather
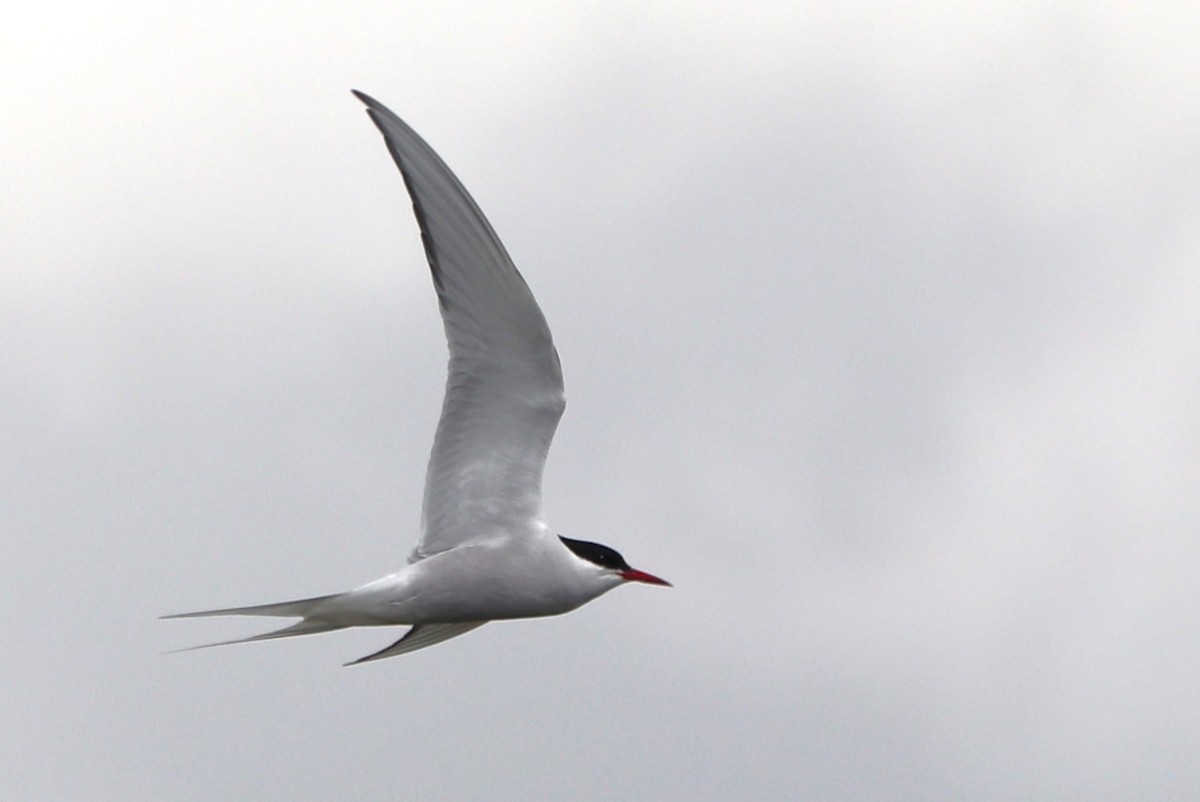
x,y
300,608
297,608
299,628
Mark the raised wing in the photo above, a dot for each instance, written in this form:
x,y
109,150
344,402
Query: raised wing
x,y
504,392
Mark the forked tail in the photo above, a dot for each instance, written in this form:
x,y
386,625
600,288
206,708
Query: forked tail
x,y
418,637
297,608
290,609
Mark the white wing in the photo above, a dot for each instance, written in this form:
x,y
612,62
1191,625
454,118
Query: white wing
x,y
504,392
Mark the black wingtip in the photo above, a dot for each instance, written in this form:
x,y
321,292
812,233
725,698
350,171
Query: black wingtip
x,y
371,103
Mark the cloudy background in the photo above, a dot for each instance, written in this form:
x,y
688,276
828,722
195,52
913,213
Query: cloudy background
x,y
881,331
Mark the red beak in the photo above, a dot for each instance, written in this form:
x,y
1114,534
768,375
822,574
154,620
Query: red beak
x,y
634,575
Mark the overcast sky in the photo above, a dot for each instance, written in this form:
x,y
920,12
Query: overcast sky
x,y
881,334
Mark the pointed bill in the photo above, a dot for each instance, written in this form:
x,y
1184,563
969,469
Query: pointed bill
x,y
634,575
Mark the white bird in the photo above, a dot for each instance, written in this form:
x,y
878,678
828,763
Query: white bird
x,y
485,553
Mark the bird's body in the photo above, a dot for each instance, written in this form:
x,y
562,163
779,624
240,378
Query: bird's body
x,y
530,579
485,552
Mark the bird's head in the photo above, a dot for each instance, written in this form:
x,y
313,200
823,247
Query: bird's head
x,y
609,560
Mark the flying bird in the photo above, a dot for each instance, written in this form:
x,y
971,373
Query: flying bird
x,y
485,552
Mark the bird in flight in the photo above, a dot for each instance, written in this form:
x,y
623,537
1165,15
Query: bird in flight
x,y
485,553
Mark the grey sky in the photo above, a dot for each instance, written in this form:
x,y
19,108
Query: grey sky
x,y
881,334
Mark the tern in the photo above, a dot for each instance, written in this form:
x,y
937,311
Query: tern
x,y
485,552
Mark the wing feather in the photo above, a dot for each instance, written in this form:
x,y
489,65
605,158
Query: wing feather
x,y
418,637
504,389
